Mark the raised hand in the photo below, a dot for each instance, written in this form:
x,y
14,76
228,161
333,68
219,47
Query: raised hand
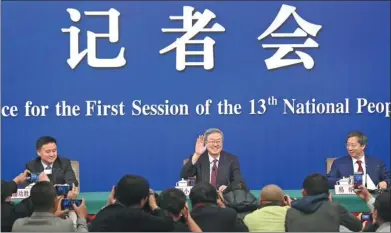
x,y
81,211
185,212
72,194
22,177
59,212
200,148
363,193
111,199
43,177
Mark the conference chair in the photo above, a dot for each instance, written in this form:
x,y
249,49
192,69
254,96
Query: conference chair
x,y
329,163
76,169
184,162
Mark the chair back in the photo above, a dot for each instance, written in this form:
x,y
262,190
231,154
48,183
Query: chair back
x,y
329,163
76,170
185,161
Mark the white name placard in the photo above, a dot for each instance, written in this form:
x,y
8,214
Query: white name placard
x,y
344,189
185,189
21,194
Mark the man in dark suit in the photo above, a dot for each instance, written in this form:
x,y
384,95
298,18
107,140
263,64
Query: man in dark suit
x,y
173,201
210,213
58,169
124,210
374,169
9,210
210,163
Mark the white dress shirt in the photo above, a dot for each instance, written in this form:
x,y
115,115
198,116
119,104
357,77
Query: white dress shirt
x,y
211,165
369,182
47,171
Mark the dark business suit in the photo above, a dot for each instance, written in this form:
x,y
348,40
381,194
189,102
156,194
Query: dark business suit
x,y
10,211
117,217
62,172
228,169
211,218
343,167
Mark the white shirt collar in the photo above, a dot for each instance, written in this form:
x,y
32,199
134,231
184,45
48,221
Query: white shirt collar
x,y
362,160
212,158
46,165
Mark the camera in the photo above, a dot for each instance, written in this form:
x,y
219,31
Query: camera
x,y
366,217
66,204
33,178
62,190
357,180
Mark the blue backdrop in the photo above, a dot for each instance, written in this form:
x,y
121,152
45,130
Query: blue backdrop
x,y
352,61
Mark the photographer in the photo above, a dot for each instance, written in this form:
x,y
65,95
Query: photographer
x,y
124,211
48,212
209,211
10,211
270,217
173,202
381,210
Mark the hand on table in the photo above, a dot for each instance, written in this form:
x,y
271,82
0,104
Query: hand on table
x,y
383,185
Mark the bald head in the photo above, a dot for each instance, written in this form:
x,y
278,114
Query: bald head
x,y
272,193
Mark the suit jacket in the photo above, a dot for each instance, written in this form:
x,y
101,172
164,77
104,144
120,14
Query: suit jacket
x,y
10,212
228,169
343,166
385,227
211,218
118,218
47,222
62,172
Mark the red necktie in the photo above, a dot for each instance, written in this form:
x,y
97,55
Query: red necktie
x,y
214,174
360,169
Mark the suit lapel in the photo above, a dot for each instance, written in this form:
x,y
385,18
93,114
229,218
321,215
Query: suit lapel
x,y
39,166
350,160
220,170
56,171
205,167
368,166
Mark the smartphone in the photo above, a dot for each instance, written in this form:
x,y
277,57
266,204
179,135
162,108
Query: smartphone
x,y
62,190
366,217
33,178
357,180
66,204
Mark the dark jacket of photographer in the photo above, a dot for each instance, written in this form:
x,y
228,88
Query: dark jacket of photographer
x,y
317,213
117,217
11,211
239,197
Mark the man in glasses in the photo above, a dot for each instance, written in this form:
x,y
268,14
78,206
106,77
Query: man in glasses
x,y
373,169
210,163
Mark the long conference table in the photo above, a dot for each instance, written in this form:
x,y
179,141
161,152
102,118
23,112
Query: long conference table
x,y
96,200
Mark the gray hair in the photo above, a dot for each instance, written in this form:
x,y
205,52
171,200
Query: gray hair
x,y
362,139
213,130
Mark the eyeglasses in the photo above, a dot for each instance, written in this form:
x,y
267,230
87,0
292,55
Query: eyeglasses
x,y
215,142
352,145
